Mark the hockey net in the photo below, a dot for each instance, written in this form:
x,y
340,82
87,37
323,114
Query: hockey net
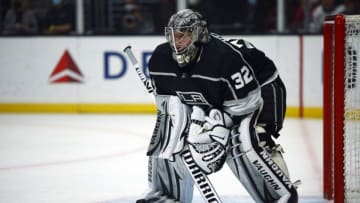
x,y
342,108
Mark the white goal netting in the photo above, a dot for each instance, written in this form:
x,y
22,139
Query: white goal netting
x,y
352,110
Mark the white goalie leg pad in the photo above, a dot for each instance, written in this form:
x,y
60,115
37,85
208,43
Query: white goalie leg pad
x,y
169,180
172,122
255,168
276,155
276,151
249,179
156,197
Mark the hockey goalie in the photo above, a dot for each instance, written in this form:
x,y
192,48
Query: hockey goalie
x,y
218,101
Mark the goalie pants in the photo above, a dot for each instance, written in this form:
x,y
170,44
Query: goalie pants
x,y
272,115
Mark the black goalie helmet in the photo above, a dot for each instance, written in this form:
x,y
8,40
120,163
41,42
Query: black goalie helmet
x,y
186,32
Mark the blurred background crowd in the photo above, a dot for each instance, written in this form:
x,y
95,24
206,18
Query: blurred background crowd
x,y
148,17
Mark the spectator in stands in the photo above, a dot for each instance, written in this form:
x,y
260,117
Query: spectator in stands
x,y
162,13
296,14
327,7
59,19
19,19
136,19
1,16
266,16
352,7
227,18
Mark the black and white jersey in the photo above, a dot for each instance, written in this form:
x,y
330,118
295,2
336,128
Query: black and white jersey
x,y
264,68
220,78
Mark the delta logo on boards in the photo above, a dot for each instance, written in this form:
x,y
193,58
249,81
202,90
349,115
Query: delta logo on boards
x,y
66,71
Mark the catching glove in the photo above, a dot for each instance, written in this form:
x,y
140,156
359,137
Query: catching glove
x,y
208,138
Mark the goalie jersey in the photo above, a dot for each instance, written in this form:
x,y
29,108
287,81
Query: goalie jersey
x,y
224,76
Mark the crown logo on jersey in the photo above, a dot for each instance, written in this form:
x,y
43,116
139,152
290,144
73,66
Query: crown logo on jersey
x,y
66,71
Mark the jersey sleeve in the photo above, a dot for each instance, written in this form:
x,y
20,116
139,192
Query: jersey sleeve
x,y
151,65
264,68
155,59
243,95
155,64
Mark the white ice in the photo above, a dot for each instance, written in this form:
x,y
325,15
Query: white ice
x,y
101,158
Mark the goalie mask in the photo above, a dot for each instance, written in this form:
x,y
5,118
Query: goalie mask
x,y
186,32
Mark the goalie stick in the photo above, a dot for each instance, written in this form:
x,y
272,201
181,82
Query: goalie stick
x,y
201,180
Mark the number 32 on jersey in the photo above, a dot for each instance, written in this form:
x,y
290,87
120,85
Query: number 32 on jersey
x,y
242,78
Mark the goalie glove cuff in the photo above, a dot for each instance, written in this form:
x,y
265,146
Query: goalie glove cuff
x,y
220,134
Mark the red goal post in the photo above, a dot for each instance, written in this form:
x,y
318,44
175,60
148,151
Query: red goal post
x,y
341,105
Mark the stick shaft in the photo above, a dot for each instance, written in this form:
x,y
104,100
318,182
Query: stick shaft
x,y
201,180
135,63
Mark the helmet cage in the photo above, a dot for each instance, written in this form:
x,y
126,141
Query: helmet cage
x,y
170,35
184,56
190,24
